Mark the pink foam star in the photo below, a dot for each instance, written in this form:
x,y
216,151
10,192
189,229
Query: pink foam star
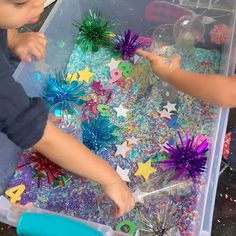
x,y
165,114
122,149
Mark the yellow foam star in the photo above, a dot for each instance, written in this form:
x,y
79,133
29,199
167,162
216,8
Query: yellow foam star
x,y
85,75
72,77
145,169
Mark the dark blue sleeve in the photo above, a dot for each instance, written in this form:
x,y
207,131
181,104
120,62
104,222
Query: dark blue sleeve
x,y
22,118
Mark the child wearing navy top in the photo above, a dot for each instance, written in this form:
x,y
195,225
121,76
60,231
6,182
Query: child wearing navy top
x,y
25,120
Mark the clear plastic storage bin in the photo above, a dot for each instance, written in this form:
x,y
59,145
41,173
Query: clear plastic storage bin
x,y
128,14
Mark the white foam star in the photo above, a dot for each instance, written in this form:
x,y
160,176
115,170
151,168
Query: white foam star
x,y
122,149
113,64
170,107
136,58
123,173
165,114
121,111
162,147
138,196
132,141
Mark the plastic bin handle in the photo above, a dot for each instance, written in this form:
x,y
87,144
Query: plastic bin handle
x,y
46,224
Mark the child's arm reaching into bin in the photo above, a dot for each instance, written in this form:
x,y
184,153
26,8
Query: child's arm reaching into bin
x,y
66,151
216,89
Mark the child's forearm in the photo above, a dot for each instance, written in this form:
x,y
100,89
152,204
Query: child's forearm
x,y
216,89
69,153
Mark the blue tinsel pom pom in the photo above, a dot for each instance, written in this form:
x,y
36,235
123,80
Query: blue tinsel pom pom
x,y
97,132
59,90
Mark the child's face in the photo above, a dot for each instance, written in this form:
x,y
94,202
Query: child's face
x,y
16,13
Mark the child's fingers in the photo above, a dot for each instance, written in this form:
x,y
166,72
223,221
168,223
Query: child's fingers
x,y
125,207
175,61
42,41
121,210
25,57
41,35
39,43
176,58
38,52
38,36
148,55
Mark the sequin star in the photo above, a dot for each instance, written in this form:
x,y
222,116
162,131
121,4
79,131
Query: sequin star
x,y
113,64
145,169
121,111
123,173
85,75
170,107
132,141
122,149
165,114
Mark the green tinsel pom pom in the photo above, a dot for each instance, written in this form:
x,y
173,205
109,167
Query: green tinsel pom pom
x,y
95,31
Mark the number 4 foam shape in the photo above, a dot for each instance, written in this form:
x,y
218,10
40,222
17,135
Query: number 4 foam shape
x,y
15,193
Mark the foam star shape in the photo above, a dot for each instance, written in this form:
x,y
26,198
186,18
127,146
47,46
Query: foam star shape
x,y
136,58
138,196
122,149
113,64
132,141
123,173
145,169
121,111
170,107
85,75
163,147
165,114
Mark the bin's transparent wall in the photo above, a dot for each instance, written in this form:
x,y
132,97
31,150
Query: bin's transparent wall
x,y
225,5
139,16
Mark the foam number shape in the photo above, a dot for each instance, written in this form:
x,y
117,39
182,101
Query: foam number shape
x,y
103,110
129,225
116,74
15,193
125,67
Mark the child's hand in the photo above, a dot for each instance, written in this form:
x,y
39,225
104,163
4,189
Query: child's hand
x,y
121,195
24,45
163,67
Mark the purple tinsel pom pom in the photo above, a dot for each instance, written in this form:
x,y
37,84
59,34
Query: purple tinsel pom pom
x,y
128,44
188,158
